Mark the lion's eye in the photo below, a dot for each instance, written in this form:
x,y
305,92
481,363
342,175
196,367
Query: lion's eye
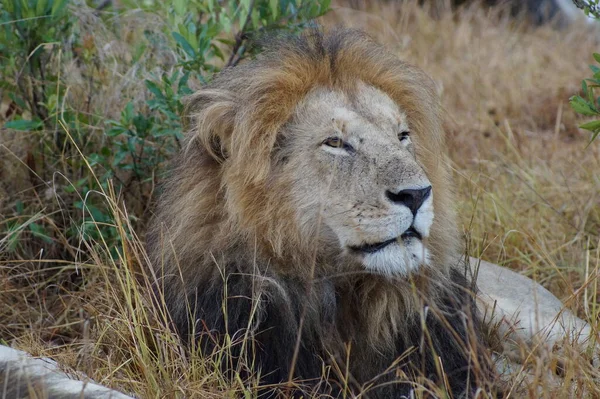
x,y
403,135
335,142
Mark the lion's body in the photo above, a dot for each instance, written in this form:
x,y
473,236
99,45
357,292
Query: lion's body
x,y
293,210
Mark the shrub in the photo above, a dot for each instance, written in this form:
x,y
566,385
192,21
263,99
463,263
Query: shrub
x,y
78,149
588,104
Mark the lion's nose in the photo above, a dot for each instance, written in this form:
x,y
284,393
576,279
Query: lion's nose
x,y
412,199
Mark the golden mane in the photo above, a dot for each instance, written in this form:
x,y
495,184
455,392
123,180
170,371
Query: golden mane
x,y
241,112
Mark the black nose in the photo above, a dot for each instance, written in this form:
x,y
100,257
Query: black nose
x,y
412,199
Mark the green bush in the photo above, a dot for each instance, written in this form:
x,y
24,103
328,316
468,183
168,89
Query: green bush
x,y
588,104
76,153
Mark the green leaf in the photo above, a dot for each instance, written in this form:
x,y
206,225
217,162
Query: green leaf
x,y
592,126
179,6
213,29
594,136
18,100
95,159
154,89
40,232
81,183
119,158
127,114
58,7
184,45
582,107
23,125
142,124
19,207
255,16
116,131
96,213
217,52
597,57
226,22
182,86
40,7
274,5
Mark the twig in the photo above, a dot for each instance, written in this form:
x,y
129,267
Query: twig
x,y
239,39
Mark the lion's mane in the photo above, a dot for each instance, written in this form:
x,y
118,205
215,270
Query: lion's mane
x,y
230,258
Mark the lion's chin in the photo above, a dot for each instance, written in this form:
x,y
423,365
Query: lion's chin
x,y
398,258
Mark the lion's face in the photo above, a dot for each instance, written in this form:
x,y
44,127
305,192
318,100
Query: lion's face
x,y
323,157
356,181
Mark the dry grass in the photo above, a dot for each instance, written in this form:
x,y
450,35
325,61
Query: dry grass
x,y
529,198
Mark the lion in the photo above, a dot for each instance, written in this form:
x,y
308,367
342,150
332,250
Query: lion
x,y
311,211
308,225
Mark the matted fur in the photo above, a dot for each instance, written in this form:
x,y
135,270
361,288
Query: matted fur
x,y
230,255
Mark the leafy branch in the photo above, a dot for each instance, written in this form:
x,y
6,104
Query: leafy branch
x,y
587,103
590,7
239,39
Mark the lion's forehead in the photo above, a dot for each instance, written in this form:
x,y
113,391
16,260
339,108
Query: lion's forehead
x,y
379,106
351,111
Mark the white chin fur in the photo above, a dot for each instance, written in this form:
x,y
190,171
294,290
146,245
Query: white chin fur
x,y
399,258
424,218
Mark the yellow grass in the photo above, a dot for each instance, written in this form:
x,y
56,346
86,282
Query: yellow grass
x,y
528,196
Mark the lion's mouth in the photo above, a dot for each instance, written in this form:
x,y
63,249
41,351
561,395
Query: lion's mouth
x,y
411,233
372,248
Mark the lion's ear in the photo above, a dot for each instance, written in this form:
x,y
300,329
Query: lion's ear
x,y
217,150
210,116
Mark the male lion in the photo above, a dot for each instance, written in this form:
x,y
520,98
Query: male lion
x,y
311,211
310,220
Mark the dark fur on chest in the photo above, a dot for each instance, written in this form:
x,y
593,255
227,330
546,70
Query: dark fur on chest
x,y
442,334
